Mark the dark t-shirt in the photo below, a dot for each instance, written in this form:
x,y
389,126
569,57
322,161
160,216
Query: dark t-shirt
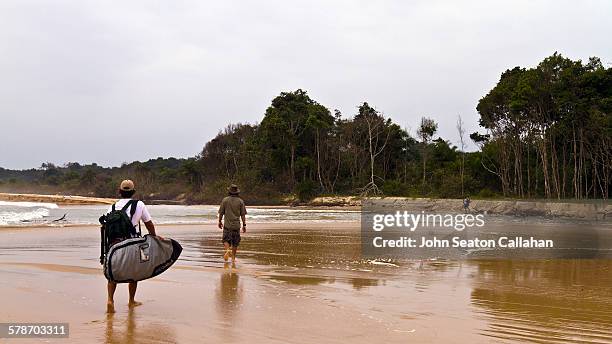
x,y
232,207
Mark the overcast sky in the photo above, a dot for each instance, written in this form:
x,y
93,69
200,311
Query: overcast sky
x,y
117,81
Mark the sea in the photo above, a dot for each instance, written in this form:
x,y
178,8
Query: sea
x,y
51,214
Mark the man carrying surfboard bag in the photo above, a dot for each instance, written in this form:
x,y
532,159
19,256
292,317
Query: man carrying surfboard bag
x,y
117,226
120,224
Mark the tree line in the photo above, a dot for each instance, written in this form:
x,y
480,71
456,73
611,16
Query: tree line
x,y
302,147
163,179
547,133
549,130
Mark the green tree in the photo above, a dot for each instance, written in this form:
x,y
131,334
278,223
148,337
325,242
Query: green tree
x,y
427,129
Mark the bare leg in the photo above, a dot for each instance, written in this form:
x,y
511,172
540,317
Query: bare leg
x,y
227,249
110,304
234,249
132,289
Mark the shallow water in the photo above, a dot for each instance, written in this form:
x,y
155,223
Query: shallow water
x,y
544,301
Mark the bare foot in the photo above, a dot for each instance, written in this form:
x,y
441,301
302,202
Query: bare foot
x,y
226,255
134,304
110,307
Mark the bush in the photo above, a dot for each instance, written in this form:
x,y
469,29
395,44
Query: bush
x,y
306,190
395,188
486,193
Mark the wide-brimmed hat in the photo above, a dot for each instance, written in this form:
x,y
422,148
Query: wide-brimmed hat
x,y
127,185
233,189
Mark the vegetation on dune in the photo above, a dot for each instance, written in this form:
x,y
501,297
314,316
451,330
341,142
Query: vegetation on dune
x,y
547,134
157,179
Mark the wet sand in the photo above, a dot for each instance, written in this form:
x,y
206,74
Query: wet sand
x,y
300,283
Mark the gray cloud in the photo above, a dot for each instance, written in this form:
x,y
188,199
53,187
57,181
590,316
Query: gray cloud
x,y
82,80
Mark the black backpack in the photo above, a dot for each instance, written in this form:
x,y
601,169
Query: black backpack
x,y
117,226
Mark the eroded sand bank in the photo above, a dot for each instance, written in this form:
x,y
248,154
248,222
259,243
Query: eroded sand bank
x,y
58,199
591,210
301,283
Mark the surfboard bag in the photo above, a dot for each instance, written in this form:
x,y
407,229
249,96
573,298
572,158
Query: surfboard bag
x,y
137,259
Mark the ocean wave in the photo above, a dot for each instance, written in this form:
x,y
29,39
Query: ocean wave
x,y
29,204
12,218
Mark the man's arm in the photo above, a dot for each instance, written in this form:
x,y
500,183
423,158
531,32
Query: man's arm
x,y
243,215
146,218
221,212
150,227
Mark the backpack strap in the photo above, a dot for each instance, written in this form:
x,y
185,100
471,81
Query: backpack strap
x,y
134,205
102,244
133,208
126,206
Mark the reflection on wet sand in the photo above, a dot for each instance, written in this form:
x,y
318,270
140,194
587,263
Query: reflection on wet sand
x,y
229,300
129,330
545,301
362,283
303,256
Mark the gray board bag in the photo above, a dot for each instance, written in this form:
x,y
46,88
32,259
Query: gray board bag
x,y
140,258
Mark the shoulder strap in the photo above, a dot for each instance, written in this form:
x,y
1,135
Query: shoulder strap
x,y
132,204
102,244
127,205
113,207
133,208
133,211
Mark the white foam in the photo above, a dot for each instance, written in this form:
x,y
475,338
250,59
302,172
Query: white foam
x,y
11,217
377,262
29,204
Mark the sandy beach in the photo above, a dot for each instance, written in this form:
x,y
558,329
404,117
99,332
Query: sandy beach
x,y
300,283
589,210
57,199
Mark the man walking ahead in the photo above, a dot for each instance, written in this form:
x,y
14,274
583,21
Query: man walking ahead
x,y
231,211
137,211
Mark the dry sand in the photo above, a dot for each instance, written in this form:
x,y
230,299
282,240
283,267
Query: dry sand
x,y
300,283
